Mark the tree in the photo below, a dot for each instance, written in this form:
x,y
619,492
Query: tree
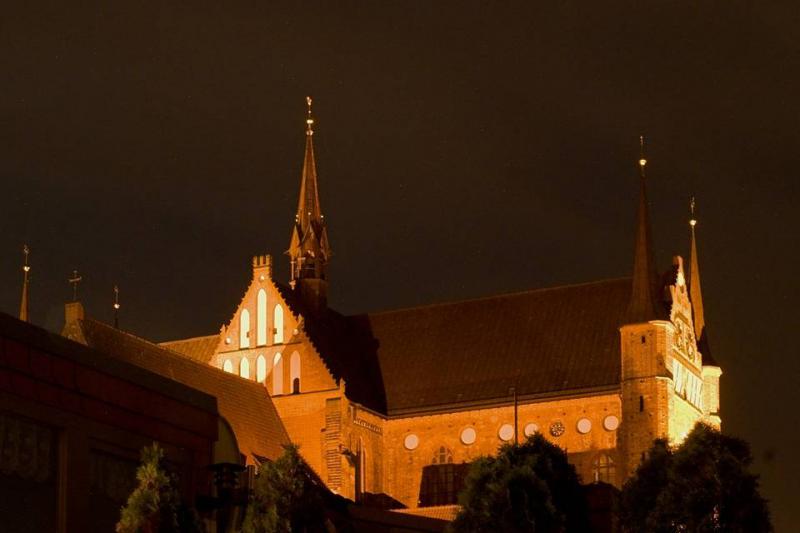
x,y
154,505
702,485
287,497
527,487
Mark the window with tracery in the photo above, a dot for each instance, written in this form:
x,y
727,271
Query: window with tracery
x,y
603,469
442,480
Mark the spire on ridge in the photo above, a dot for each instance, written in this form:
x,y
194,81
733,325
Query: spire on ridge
x,y
695,293
23,305
116,307
642,306
309,250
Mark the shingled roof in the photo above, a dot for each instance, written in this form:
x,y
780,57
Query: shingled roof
x,y
200,349
543,342
246,405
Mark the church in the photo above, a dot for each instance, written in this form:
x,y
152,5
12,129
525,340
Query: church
x,y
390,408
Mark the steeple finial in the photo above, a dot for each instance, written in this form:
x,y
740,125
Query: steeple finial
x,y
309,119
116,307
74,280
695,292
643,304
23,305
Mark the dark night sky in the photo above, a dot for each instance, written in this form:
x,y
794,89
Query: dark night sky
x,y
464,150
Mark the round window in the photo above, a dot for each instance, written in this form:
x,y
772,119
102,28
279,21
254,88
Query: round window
x,y
506,432
557,428
531,429
468,435
584,425
611,423
411,442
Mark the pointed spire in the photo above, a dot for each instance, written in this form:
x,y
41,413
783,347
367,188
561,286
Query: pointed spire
x,y
643,305
116,307
695,292
23,305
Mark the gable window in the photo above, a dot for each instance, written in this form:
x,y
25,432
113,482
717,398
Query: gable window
x,y
227,366
261,318
261,369
442,480
244,329
603,469
294,372
277,374
277,324
244,368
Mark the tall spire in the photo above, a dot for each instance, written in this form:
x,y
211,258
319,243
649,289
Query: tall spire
x,y
309,250
23,305
695,293
643,305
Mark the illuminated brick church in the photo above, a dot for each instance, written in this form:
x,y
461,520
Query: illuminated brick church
x,y
392,405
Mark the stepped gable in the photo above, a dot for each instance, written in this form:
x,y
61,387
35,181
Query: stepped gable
x,y
246,405
200,349
543,342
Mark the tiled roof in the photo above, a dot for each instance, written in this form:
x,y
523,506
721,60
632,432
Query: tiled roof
x,y
199,349
440,512
547,341
246,405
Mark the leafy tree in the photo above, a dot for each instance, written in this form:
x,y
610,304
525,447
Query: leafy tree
x,y
286,498
703,485
154,505
527,487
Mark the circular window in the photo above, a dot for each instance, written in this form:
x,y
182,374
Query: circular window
x,y
611,423
411,442
584,425
468,435
506,432
557,428
531,429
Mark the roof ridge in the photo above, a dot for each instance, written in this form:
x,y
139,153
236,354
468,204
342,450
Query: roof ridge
x,y
495,296
197,338
175,354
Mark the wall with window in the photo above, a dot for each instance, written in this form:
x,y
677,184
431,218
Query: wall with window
x,y
413,453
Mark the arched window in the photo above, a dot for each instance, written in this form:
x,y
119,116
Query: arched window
x,y
442,480
244,329
261,369
361,471
603,469
261,318
277,324
442,456
244,368
227,366
294,372
277,375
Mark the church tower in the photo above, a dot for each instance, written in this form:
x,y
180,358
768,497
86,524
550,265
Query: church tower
x,y
309,250
643,340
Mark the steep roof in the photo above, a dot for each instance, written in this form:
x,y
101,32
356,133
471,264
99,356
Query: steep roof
x,y
200,349
547,341
246,405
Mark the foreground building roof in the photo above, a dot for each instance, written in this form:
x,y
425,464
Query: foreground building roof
x,y
245,405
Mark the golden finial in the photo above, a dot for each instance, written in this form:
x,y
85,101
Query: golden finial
x,y
309,119
25,251
116,307
642,160
692,219
74,280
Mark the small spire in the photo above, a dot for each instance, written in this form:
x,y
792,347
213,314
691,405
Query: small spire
x,y
309,119
116,307
643,305
23,305
695,292
74,280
